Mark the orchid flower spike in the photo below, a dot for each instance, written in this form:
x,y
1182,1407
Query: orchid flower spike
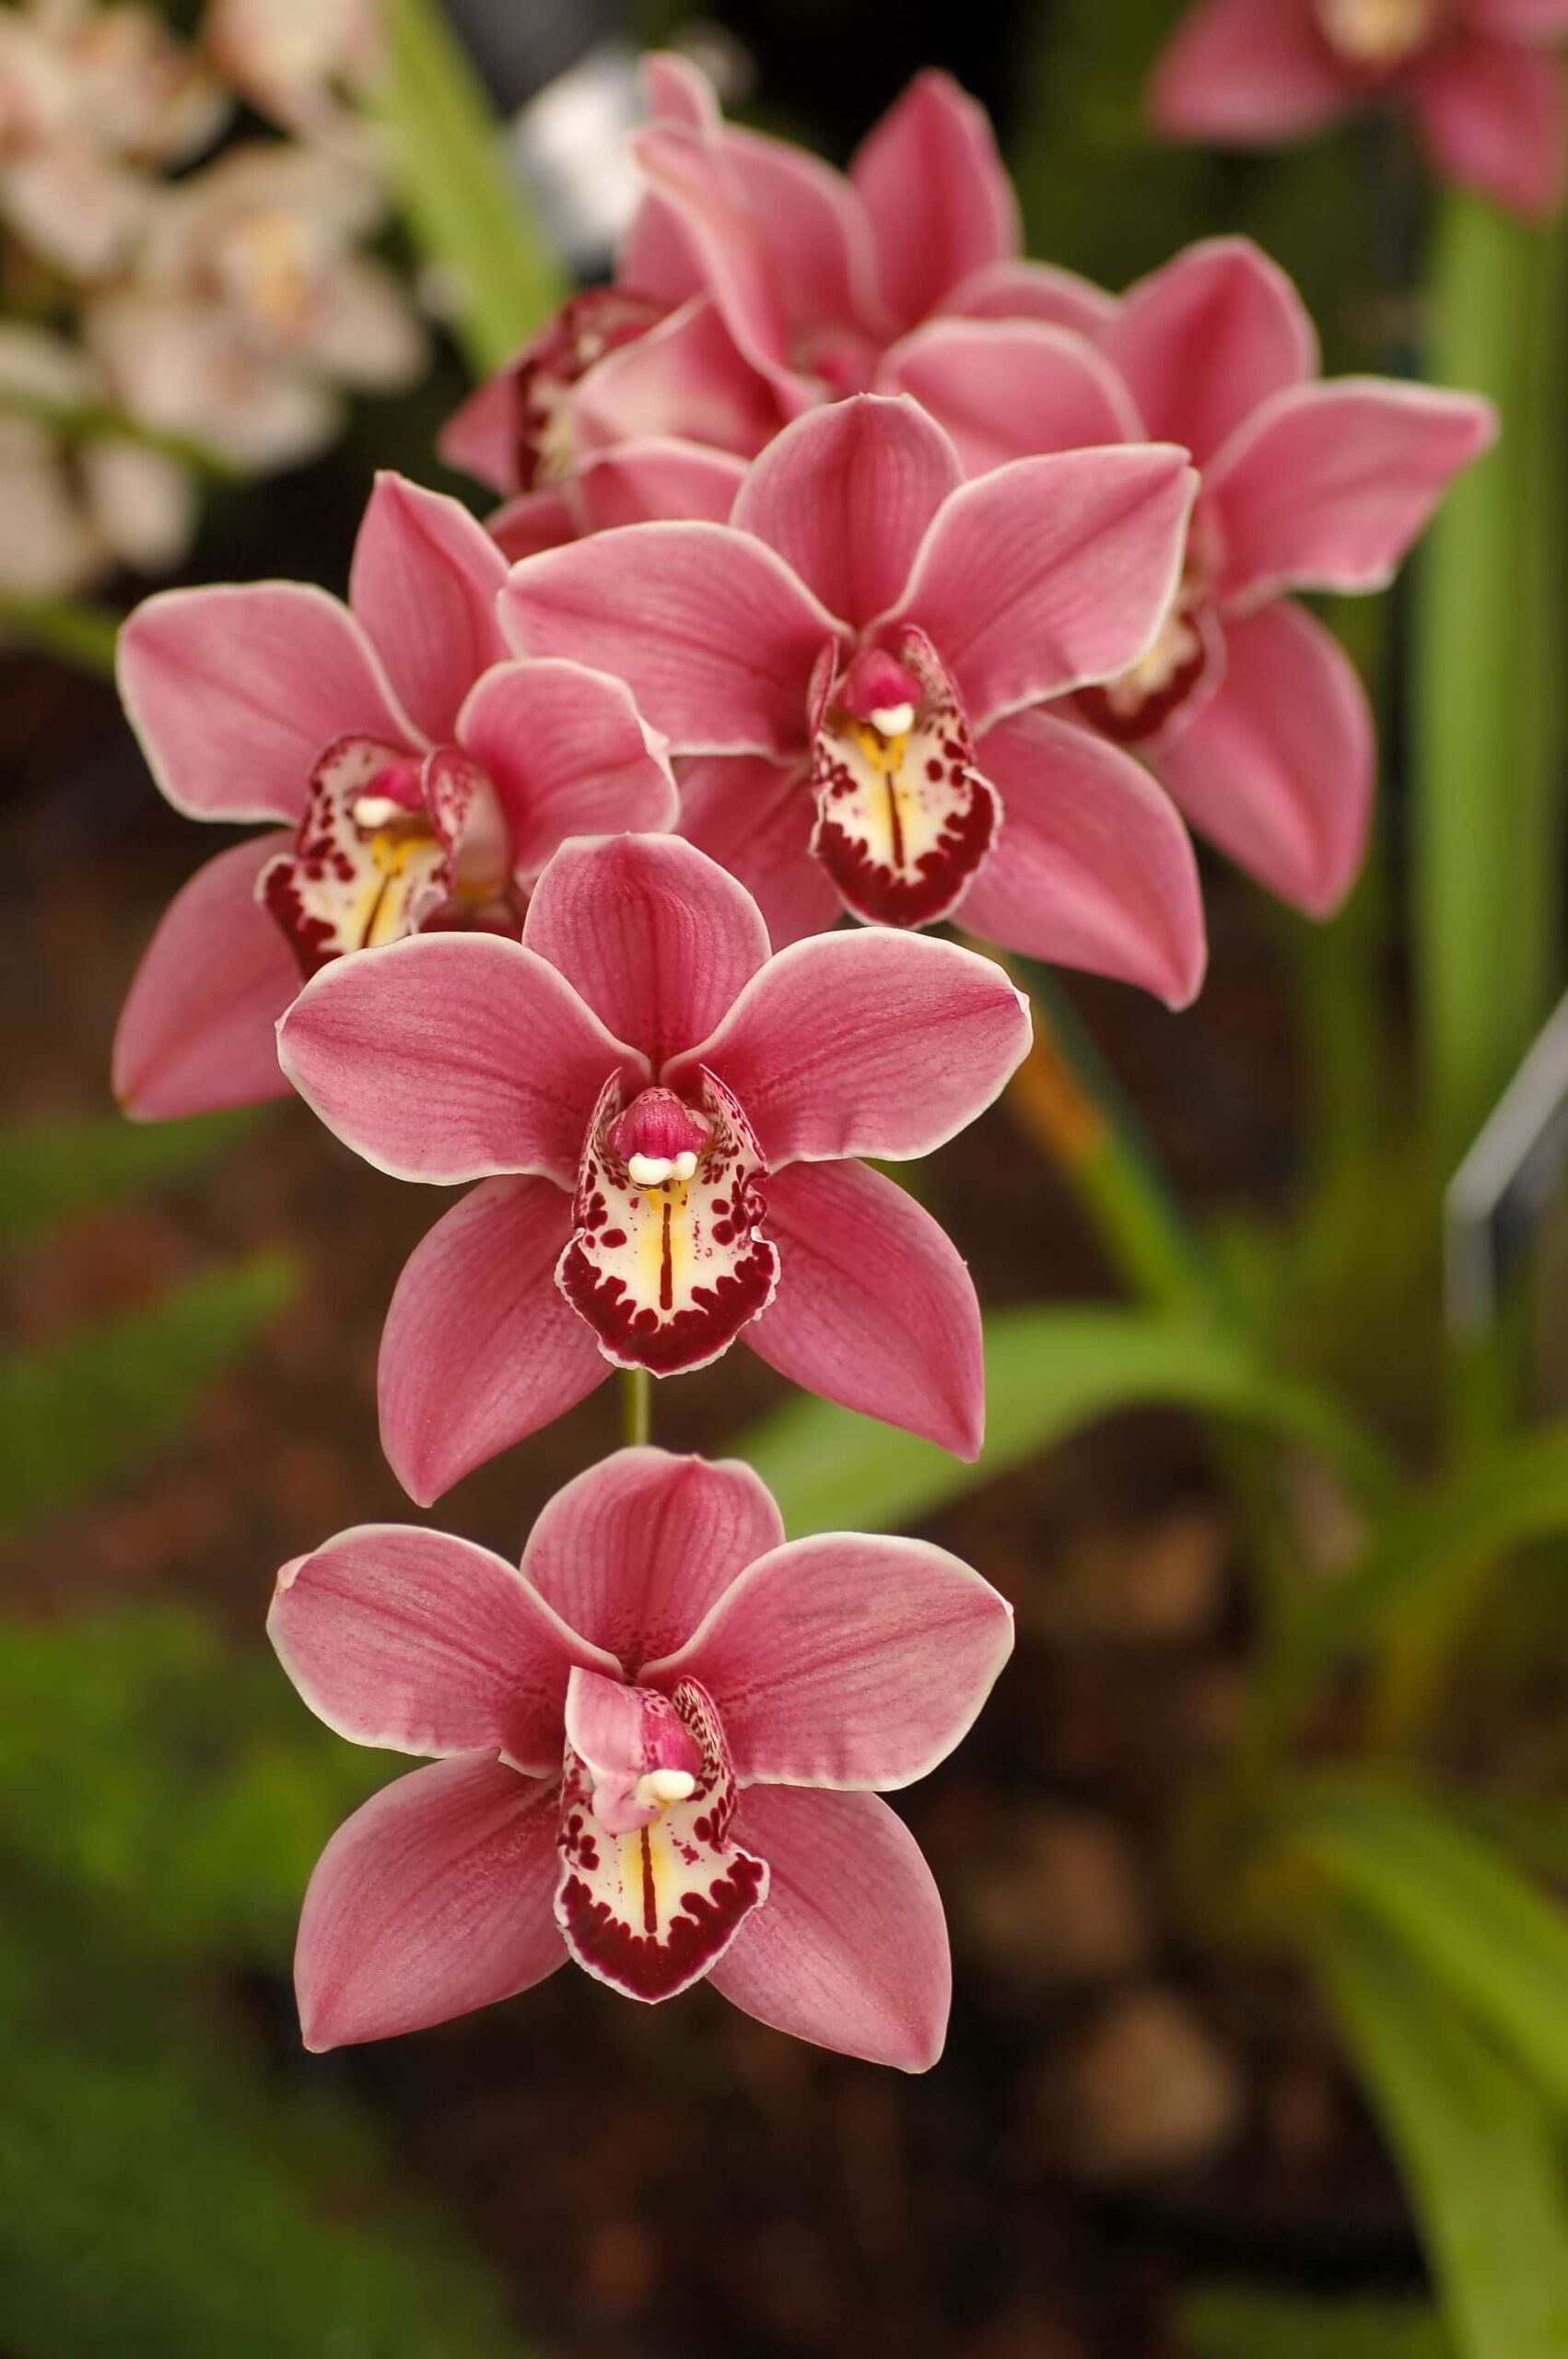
x,y
1480,77
666,1119
850,665
422,779
659,1750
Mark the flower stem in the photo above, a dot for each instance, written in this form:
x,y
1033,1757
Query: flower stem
x,y
637,1408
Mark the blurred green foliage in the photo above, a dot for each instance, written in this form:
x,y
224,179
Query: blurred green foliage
x,y
52,1169
1481,2151
176,2178
76,1413
168,2189
1050,1372
1231,2322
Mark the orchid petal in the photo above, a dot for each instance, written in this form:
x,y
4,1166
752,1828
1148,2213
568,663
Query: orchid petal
x,y
423,1643
1031,290
658,480
1009,389
423,584
851,1950
567,753
534,521
653,935
436,1897
1249,72
1093,868
756,818
1491,115
233,691
876,1309
846,496
732,250
940,200
480,438
1050,572
480,1348
451,1056
199,1027
1326,486
866,1043
1542,21
683,379
713,633
820,252
634,1552
847,1661
675,89
1201,342
1279,768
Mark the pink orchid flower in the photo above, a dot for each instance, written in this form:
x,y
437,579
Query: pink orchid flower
x,y
848,666
418,778
755,283
533,430
1479,75
1247,709
660,1750
666,1119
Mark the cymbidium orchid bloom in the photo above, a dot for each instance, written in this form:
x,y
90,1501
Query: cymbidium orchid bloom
x,y
847,665
297,61
757,282
1480,77
251,307
74,506
94,101
1243,705
665,1119
415,778
660,1750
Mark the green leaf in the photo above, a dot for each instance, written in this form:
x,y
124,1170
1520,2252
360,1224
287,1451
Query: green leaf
x,y
1233,2322
1048,1373
1512,1496
76,1413
79,634
1492,612
165,2193
463,208
175,1783
1478,2152
1494,1942
49,1170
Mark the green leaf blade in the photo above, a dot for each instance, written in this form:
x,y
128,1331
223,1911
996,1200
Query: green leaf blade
x,y
463,206
1050,1372
1478,2152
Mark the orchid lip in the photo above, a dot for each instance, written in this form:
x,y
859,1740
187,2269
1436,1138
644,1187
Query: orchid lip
x,y
904,817
651,1901
667,1260
387,847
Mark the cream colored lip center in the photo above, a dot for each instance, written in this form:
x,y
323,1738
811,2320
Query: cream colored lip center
x,y
1377,33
